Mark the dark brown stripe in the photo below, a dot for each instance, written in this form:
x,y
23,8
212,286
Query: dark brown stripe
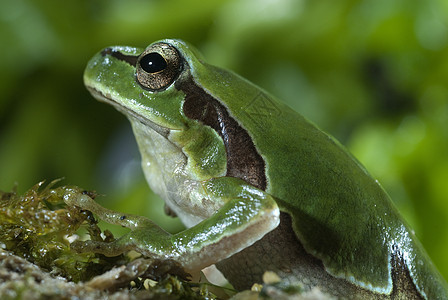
x,y
403,285
130,59
243,160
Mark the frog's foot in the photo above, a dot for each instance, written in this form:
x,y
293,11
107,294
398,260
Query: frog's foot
x,y
110,249
145,237
150,241
84,201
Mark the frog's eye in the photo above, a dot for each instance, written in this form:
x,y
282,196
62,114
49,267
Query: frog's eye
x,y
153,63
158,66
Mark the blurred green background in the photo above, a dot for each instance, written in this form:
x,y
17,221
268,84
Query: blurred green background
x,y
373,73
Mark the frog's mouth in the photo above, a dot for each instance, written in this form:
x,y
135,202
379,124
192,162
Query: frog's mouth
x,y
163,131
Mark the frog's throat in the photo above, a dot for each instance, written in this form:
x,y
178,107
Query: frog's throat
x,y
165,176
163,131
165,167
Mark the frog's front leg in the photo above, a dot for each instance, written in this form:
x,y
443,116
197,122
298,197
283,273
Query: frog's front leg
x,y
245,216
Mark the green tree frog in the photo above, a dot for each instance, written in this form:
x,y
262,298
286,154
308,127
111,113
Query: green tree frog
x,y
259,187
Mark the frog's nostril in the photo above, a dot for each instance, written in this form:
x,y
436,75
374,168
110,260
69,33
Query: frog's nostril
x,y
106,51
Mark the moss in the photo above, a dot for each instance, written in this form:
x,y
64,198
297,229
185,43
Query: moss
x,y
38,226
36,230
38,262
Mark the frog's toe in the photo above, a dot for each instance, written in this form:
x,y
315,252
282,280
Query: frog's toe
x,y
107,249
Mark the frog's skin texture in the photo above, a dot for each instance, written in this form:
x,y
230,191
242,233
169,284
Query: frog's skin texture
x,y
258,186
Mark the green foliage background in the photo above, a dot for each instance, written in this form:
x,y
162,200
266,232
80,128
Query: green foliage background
x,y
373,73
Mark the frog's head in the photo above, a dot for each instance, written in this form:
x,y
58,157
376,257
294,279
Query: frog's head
x,y
164,90
141,82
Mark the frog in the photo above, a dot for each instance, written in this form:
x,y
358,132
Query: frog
x,y
257,185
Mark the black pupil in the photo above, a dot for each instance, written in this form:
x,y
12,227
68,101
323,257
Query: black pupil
x,y
153,63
